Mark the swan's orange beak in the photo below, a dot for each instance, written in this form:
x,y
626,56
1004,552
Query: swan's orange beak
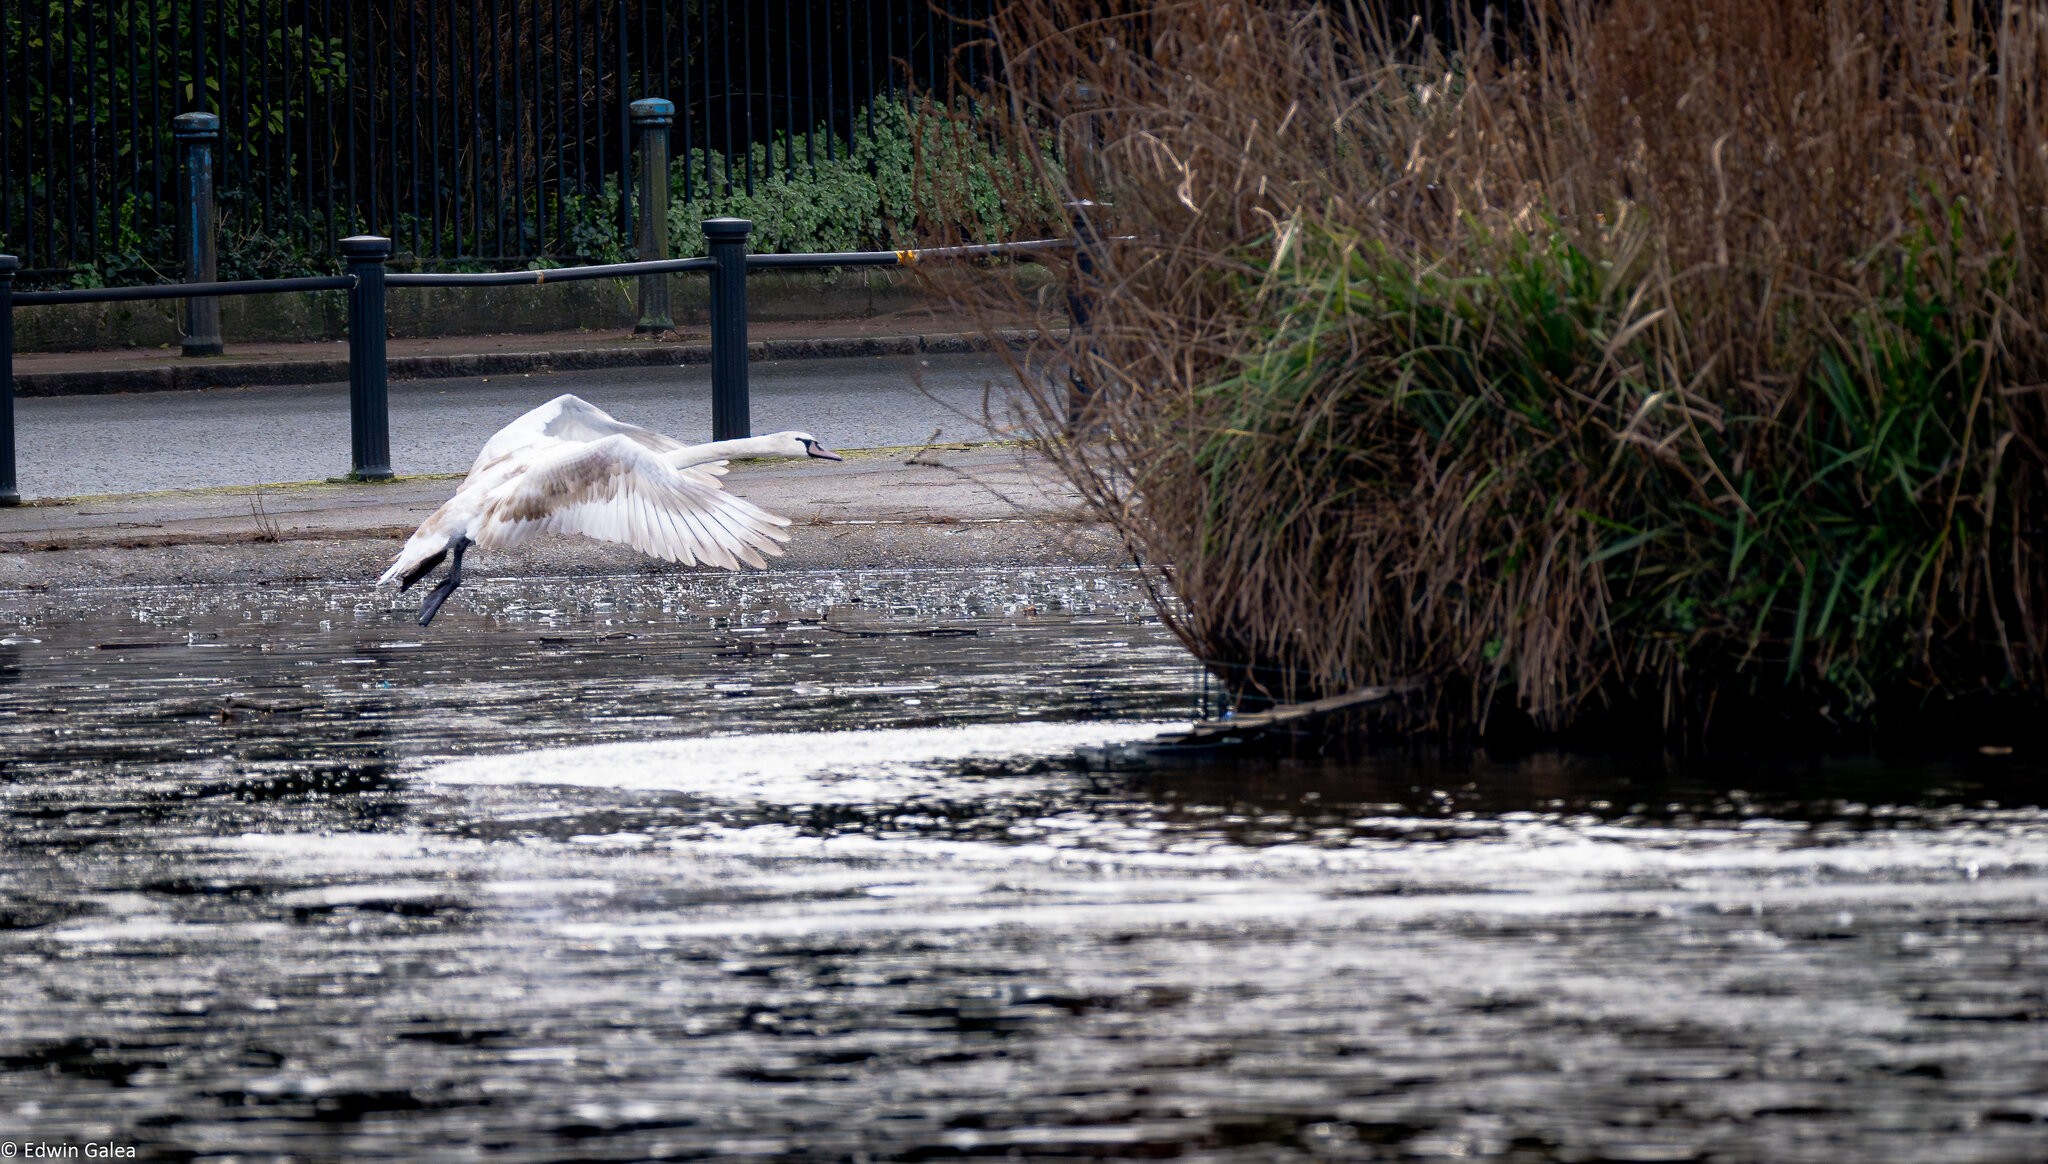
x,y
821,452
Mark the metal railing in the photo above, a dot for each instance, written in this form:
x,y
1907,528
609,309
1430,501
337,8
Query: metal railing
x,y
10,299
199,214
468,132
368,281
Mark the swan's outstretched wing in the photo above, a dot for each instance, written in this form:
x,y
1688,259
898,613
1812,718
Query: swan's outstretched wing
x,y
565,419
615,490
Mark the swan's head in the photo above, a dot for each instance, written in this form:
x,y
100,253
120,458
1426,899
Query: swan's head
x,y
801,444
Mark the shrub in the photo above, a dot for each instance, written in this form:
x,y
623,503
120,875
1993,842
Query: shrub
x,y
1648,363
920,174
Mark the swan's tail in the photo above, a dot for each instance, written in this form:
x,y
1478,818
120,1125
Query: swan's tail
x,y
422,553
430,543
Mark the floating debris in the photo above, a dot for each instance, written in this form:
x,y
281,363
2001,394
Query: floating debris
x,y
1245,728
935,632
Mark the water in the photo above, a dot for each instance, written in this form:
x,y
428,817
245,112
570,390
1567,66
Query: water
x,y
835,867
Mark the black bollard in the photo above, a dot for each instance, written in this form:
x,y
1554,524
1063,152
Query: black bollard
x,y
198,227
368,392
726,238
9,493
651,119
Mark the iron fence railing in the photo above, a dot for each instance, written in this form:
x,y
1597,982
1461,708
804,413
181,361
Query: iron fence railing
x,y
468,131
367,281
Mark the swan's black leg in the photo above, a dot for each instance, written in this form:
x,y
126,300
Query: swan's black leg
x,y
432,605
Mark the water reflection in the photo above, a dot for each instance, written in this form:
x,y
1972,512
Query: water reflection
x,y
819,867
10,659
1828,793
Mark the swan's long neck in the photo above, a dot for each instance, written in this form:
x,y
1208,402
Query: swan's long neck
x,y
725,451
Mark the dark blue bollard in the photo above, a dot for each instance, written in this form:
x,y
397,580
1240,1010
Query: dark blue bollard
x,y
198,226
726,238
651,118
368,391
9,493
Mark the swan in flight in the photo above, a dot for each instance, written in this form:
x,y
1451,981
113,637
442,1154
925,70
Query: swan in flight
x,y
570,467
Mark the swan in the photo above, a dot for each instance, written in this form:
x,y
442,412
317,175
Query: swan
x,y
571,418
569,467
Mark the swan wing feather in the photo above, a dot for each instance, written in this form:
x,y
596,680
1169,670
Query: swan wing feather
x,y
567,419
617,490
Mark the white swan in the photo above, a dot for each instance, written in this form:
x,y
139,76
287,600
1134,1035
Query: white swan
x,y
572,419
569,467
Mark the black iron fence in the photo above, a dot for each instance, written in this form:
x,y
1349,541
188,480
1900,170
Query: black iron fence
x,y
467,131
367,281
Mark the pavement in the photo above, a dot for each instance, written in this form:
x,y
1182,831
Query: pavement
x,y
933,477
955,506
85,445
165,369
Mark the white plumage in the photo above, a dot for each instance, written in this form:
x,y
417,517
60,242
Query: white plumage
x,y
569,467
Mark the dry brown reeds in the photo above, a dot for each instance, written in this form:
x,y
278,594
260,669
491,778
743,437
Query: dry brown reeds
x,y
1636,356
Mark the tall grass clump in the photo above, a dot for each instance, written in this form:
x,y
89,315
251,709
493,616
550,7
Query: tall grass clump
x,y
1638,362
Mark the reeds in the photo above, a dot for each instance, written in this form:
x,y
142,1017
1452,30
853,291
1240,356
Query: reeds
x,y
1631,362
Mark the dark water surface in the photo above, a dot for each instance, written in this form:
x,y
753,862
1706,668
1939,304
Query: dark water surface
x,y
648,868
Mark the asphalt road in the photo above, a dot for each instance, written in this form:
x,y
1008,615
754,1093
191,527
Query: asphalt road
x,y
87,445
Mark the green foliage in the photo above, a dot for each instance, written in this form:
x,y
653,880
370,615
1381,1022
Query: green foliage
x,y
592,222
289,245
133,43
1492,447
133,241
1670,369
128,66
906,181
877,193
1852,556
908,173
112,60
1491,375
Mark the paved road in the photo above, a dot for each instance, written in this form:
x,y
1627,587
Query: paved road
x,y
82,445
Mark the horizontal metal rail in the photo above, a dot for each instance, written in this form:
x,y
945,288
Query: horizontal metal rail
x,y
367,258
904,258
552,275
184,290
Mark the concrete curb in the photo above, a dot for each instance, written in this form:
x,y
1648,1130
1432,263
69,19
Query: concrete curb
x,y
981,506
271,373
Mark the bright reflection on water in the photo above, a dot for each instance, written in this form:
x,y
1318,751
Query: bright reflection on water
x,y
812,866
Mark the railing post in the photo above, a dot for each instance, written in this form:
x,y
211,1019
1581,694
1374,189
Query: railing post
x,y
368,397
726,239
1081,305
10,494
198,223
651,119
